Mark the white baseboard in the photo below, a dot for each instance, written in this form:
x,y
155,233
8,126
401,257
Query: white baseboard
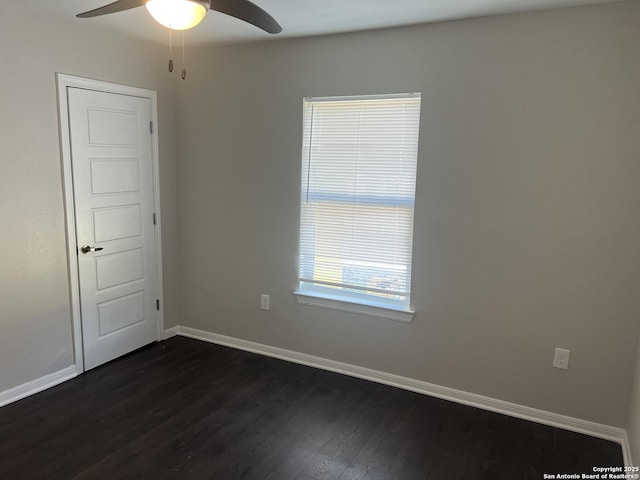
x,y
170,332
487,403
626,451
21,391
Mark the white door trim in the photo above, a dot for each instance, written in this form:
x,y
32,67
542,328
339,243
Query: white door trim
x,y
63,83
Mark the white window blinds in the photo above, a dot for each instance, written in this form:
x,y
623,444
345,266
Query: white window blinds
x,y
359,160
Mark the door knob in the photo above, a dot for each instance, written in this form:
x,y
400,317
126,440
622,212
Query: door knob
x,y
87,249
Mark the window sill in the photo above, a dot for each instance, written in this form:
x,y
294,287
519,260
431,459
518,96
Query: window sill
x,y
404,316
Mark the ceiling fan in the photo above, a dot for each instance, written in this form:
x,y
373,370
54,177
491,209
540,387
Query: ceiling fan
x,y
185,14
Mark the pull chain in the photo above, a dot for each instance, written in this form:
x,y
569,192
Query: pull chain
x,y
170,52
184,69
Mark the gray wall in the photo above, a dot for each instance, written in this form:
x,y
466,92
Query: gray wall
x,y
526,230
35,323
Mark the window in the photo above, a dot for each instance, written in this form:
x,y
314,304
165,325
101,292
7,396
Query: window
x,y
359,157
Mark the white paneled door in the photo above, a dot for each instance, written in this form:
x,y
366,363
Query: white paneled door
x,y
111,157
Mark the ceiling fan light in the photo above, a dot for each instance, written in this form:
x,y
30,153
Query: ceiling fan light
x,y
176,14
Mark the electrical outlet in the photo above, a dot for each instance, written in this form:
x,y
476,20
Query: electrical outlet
x,y
265,300
561,358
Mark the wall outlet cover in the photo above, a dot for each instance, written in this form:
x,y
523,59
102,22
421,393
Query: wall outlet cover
x,y
265,301
561,358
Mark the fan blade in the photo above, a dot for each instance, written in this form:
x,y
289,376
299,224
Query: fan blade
x,y
119,6
247,12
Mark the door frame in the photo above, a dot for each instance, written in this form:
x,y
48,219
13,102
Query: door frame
x,y
64,82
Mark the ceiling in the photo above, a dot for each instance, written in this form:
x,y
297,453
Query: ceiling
x,y
301,17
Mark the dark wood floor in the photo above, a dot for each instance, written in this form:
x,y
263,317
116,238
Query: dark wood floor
x,y
186,409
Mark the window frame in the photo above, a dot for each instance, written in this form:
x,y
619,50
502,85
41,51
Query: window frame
x,y
313,292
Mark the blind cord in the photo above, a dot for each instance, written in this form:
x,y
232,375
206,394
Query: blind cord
x,y
309,161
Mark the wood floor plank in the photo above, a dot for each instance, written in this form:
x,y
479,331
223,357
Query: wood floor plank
x,y
249,435
379,449
109,427
575,453
304,435
185,409
335,456
194,423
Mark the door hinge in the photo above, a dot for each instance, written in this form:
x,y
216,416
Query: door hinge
x,y
154,219
151,127
158,305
